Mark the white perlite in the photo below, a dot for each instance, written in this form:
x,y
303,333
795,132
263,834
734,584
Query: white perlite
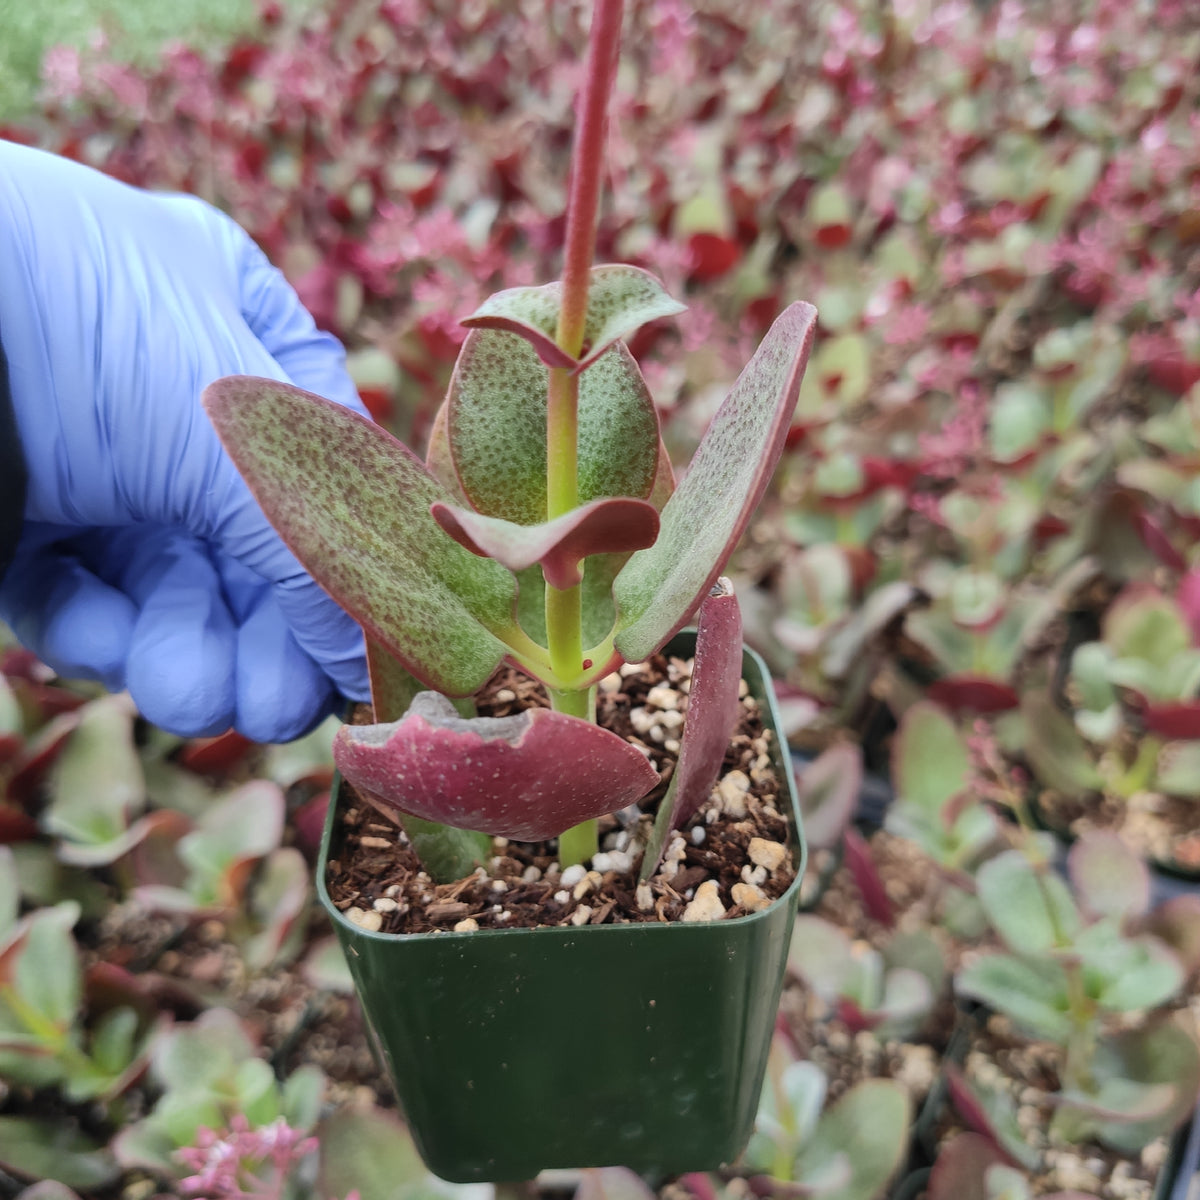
x,y
572,875
770,855
385,904
707,904
582,915
466,925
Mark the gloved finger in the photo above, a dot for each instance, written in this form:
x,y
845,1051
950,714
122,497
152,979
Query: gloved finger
x,y
320,627
71,619
243,588
311,358
181,665
281,692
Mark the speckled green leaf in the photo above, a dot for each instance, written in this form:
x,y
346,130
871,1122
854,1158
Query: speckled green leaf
x,y
496,425
611,526
353,503
621,300
659,588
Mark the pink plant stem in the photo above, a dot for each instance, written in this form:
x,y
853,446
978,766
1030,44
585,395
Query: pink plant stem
x,y
587,171
583,207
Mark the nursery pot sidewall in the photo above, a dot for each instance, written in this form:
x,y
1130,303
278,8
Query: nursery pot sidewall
x,y
639,1045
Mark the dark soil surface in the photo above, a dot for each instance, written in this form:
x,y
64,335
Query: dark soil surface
x,y
734,857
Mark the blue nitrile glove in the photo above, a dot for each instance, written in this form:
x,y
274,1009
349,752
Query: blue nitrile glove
x,y
144,561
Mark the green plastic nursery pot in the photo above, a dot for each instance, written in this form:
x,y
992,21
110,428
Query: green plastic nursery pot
x,y
640,1045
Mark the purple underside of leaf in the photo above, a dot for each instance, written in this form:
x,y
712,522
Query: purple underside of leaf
x,y
659,587
602,527
621,299
495,428
526,777
352,503
712,711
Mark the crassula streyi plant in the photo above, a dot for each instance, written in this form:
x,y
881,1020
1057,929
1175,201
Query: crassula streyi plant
x,y
544,529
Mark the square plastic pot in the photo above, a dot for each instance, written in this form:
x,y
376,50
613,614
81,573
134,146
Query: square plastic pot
x,y
640,1045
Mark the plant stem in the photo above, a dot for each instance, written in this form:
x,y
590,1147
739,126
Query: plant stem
x,y
578,844
587,169
564,608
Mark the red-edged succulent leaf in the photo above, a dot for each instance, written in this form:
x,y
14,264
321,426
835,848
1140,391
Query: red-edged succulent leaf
x,y
216,755
526,777
973,694
353,504
1180,720
960,1170
1110,880
712,715
613,526
437,455
660,587
829,788
866,878
621,299
496,428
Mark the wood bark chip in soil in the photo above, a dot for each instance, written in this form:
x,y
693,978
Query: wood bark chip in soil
x,y
376,879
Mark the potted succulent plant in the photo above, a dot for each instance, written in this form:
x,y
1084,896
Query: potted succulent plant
x,y
545,531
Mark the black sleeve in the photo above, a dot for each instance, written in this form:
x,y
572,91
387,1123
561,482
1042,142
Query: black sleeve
x,y
12,472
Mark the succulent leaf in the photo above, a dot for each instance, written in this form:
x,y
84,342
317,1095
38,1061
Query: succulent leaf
x,y
659,588
929,760
496,427
526,777
1030,908
1110,880
621,299
829,788
614,526
868,1129
353,504
1035,997
712,715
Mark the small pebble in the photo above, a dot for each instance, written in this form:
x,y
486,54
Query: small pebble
x,y
498,885
505,696
563,897
374,843
466,925
749,897
770,855
611,683
699,833
385,904
573,874
588,883
531,875
732,791
370,921
581,915
707,904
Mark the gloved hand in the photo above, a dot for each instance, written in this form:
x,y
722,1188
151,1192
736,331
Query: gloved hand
x,y
144,561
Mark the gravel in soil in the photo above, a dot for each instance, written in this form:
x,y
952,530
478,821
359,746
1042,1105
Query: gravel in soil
x,y
1163,829
733,858
1001,1059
